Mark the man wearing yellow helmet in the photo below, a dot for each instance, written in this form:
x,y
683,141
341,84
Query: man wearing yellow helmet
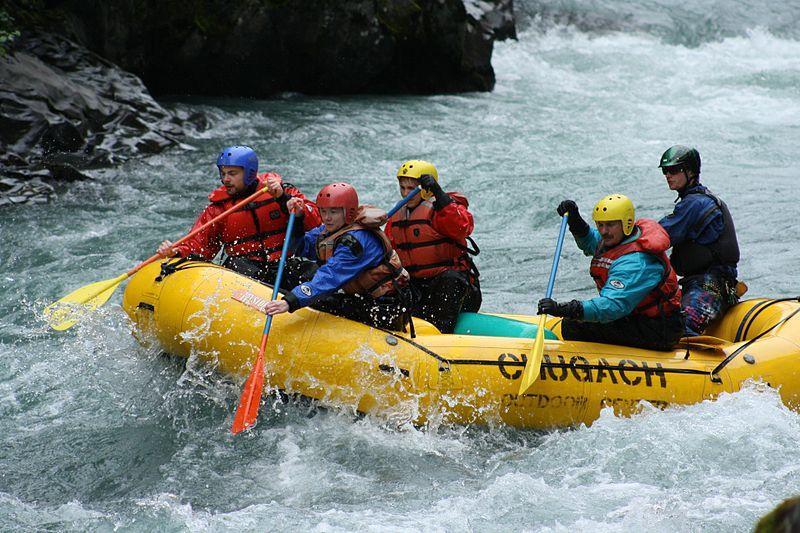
x,y
639,300
430,234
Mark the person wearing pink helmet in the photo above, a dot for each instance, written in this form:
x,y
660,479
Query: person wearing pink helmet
x,y
355,257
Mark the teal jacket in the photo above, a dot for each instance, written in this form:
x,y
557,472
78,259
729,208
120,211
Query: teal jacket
x,y
630,278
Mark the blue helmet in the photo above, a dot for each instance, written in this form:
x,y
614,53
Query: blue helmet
x,y
240,156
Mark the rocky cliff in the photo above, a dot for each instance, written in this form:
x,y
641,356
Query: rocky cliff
x,y
76,84
257,48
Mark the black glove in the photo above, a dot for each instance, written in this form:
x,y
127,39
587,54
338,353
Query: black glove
x,y
429,183
577,226
573,309
567,206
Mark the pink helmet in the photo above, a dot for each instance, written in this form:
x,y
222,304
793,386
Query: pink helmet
x,y
340,195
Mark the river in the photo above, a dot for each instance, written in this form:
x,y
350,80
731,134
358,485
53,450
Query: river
x,y
101,434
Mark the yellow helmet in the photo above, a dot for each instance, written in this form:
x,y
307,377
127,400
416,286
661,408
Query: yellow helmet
x,y
615,207
416,168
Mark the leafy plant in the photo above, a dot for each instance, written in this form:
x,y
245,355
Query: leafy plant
x,y
8,32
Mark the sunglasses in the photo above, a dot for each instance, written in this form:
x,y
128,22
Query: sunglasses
x,y
671,170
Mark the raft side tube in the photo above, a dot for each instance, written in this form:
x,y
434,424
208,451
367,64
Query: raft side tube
x,y
498,326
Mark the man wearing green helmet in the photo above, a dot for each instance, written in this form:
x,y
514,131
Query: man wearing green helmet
x,y
639,300
705,250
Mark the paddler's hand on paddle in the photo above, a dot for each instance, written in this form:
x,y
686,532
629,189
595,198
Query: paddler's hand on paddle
x,y
577,226
296,206
573,309
275,186
166,249
276,307
429,183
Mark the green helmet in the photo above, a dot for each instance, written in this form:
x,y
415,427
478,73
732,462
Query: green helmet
x,y
681,156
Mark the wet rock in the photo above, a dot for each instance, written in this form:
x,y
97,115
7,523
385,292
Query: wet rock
x,y
15,191
68,110
495,17
66,172
12,159
258,49
62,137
785,518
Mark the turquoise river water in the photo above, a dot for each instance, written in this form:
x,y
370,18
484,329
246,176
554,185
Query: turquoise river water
x,y
101,434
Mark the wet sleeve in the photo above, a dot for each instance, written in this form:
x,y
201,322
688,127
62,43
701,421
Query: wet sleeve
x,y
630,279
305,244
311,218
206,243
679,223
454,220
343,266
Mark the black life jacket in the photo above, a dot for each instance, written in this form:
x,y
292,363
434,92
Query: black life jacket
x,y
689,258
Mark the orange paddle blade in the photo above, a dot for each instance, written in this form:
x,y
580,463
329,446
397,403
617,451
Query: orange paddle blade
x,y
247,412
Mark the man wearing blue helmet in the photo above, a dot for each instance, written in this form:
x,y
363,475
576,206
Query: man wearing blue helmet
x,y
705,250
252,236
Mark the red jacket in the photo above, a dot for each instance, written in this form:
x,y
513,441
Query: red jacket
x,y
665,298
430,242
255,231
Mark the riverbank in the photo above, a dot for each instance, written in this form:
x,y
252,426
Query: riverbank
x,y
81,98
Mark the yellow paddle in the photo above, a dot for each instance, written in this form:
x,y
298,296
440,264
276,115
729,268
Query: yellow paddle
x,y
64,313
535,361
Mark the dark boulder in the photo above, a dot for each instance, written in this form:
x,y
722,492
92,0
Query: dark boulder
x,y
66,110
260,48
785,518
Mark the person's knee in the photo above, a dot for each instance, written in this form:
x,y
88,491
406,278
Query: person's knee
x,y
572,330
450,284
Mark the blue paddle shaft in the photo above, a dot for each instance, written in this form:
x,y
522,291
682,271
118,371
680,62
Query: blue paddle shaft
x,y
285,250
281,264
554,268
403,202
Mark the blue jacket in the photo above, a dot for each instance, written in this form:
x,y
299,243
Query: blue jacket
x,y
680,224
344,265
630,278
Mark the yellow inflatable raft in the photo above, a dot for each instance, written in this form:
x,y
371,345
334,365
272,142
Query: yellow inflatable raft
x,y
215,313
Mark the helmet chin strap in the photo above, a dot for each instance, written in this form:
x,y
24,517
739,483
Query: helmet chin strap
x,y
690,182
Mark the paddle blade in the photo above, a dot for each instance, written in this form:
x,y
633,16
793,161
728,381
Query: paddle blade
x,y
741,288
64,313
247,411
535,361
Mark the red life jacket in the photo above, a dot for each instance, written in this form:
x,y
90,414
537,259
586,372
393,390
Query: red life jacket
x,y
425,252
256,230
665,298
376,281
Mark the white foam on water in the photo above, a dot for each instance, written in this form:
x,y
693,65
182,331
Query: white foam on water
x,y
112,435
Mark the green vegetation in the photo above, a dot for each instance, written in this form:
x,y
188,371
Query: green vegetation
x,y
8,32
400,19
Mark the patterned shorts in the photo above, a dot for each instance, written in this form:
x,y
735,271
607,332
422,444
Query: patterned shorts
x,y
706,297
